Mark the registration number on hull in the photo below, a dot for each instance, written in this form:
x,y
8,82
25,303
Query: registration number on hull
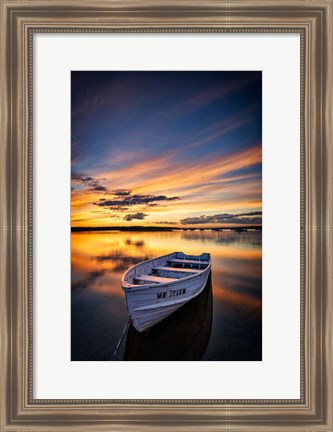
x,y
171,293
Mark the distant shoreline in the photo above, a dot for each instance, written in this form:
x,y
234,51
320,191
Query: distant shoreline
x,y
157,228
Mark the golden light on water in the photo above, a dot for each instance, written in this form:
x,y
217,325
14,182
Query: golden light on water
x,y
112,252
99,314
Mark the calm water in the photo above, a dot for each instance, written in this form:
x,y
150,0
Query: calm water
x,y
223,323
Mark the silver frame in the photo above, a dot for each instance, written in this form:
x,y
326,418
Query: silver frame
x,y
20,20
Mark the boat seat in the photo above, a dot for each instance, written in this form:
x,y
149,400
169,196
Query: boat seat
x,y
154,279
185,261
180,270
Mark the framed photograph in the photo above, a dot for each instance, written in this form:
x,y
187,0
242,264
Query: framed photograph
x,y
166,217
131,206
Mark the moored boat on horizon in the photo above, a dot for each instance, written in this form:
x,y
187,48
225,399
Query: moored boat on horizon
x,y
156,288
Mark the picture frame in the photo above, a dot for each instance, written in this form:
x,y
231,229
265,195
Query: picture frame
x,y
20,21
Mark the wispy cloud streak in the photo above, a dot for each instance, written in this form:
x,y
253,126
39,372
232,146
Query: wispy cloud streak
x,y
166,148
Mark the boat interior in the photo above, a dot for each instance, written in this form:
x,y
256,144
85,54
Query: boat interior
x,y
170,268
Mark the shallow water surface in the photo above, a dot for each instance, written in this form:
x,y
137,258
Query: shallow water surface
x,y
222,323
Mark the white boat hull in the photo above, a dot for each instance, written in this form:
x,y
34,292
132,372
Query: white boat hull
x,y
182,336
149,304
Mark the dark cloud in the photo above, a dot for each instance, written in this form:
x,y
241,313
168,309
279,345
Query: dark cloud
x,y
255,213
78,178
100,188
166,223
131,200
89,182
118,208
242,218
139,216
121,192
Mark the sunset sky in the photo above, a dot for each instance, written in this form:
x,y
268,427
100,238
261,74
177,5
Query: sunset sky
x,y
177,149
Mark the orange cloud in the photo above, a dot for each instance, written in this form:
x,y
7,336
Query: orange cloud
x,y
200,186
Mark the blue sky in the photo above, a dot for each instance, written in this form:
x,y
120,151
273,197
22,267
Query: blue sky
x,y
166,147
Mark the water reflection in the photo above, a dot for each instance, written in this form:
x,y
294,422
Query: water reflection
x,y
122,262
99,260
138,243
88,280
184,335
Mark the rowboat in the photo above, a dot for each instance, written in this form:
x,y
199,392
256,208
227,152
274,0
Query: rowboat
x,y
156,288
182,336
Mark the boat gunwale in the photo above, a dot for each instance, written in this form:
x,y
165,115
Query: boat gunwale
x,y
135,287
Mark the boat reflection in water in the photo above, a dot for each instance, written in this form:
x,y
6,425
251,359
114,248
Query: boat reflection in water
x,y
184,335
99,313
